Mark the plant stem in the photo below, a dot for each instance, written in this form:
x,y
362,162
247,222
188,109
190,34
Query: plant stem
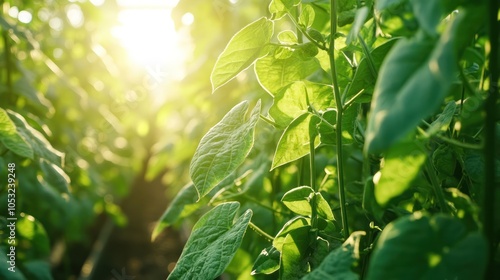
x,y
490,146
312,176
260,232
338,131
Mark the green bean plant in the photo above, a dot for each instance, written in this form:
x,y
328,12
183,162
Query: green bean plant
x,y
377,157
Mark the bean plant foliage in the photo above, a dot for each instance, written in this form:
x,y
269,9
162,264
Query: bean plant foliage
x,y
369,160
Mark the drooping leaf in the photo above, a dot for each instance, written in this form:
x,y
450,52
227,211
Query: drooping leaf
x,y
242,50
223,148
274,73
415,78
291,101
299,201
212,244
55,176
11,138
40,145
445,250
267,262
294,143
338,264
443,121
402,164
184,203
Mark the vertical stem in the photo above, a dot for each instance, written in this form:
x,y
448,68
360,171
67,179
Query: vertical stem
x,y
314,201
338,131
490,141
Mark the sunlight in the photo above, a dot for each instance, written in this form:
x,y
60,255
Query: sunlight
x,y
147,32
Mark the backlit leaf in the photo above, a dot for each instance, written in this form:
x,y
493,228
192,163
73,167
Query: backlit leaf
x,y
294,143
402,164
212,244
11,138
242,50
223,148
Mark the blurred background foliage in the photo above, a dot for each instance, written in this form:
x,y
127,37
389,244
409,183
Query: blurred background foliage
x,y
96,119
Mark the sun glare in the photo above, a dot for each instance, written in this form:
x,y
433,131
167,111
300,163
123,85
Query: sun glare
x,y
147,32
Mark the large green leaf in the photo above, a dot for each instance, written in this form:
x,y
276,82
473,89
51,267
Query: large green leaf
x,y
223,148
291,101
242,50
294,261
11,138
299,200
420,246
338,264
212,244
402,164
415,78
40,145
294,143
274,73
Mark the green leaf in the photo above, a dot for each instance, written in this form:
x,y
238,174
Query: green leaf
x,y
291,225
55,176
294,254
329,118
291,101
40,145
443,121
359,21
184,203
267,262
223,148
298,200
306,18
288,37
338,264
444,160
402,164
242,50
274,74
280,7
11,138
428,14
415,78
384,4
369,203
420,246
294,143
363,79
212,244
